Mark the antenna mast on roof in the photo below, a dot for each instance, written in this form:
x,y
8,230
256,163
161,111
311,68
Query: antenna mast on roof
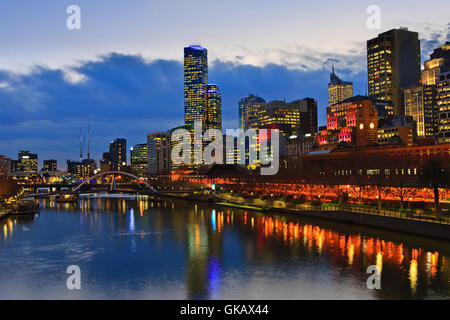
x,y
88,141
81,146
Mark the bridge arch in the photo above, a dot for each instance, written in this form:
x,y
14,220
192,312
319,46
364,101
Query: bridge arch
x,y
101,174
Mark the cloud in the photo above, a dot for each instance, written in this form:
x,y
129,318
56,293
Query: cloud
x,y
127,96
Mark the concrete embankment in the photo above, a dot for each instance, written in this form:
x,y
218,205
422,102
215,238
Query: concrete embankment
x,y
421,228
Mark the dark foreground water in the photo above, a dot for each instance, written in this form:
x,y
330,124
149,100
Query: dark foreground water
x,y
139,249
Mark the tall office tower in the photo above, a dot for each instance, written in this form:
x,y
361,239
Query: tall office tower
x,y
439,63
118,153
50,166
158,146
195,77
27,162
212,102
338,90
393,64
249,107
420,104
139,159
443,106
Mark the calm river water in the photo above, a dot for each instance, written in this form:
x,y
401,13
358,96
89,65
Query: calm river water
x,y
133,248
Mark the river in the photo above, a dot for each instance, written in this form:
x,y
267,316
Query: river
x,y
136,248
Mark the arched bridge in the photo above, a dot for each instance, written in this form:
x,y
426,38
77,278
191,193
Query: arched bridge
x,y
114,173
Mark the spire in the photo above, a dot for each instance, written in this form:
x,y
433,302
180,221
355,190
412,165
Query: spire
x,y
332,67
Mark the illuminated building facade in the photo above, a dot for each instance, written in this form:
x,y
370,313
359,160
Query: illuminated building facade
x,y
420,104
338,89
388,165
27,162
158,146
366,125
118,154
295,118
82,169
212,102
439,62
343,119
393,63
139,159
249,108
195,77
443,106
398,130
50,166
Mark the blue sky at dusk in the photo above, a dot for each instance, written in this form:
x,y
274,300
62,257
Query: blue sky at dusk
x,y
123,72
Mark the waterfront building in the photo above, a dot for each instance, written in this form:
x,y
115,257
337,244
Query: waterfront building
x,y
27,162
82,169
212,102
249,108
343,119
50,166
420,104
139,159
118,154
393,63
195,78
376,165
158,146
338,90
443,106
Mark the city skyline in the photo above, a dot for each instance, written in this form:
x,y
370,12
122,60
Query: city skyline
x,y
139,140
110,90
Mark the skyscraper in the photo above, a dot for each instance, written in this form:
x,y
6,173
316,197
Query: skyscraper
x,y
139,159
393,64
249,107
443,106
118,154
338,90
158,146
420,104
212,102
195,77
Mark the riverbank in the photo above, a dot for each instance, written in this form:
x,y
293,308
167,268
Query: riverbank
x,y
393,221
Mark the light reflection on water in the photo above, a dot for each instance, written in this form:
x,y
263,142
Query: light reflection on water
x,y
143,249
